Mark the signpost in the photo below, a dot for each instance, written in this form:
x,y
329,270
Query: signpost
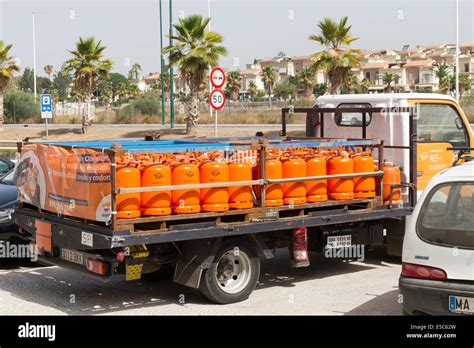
x,y
217,97
46,109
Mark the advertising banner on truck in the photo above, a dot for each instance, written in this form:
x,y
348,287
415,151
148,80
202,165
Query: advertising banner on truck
x,y
74,182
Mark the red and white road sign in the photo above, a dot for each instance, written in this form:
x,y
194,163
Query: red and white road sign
x,y
217,99
217,77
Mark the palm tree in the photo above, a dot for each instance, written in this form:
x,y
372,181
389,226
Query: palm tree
x,y
122,90
48,69
388,79
351,84
7,67
307,78
441,71
133,91
365,85
194,50
233,84
337,60
269,77
134,72
253,90
166,80
464,83
87,65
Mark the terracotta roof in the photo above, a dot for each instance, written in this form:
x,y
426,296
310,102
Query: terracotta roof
x,y
302,58
254,72
267,60
151,78
419,63
383,65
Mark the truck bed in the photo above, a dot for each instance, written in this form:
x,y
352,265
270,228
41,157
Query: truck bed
x,y
67,232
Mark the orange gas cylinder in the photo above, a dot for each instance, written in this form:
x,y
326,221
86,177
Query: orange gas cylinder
x,y
294,192
216,198
274,192
185,201
158,202
340,188
391,176
316,191
364,187
240,197
128,204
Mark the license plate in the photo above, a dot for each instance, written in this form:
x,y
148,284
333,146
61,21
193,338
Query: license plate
x,y
339,241
458,304
72,256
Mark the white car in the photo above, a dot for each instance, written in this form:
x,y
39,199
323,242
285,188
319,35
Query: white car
x,y
438,248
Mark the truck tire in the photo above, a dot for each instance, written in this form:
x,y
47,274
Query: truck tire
x,y
233,274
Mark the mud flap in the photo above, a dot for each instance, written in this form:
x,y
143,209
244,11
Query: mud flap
x,y
197,256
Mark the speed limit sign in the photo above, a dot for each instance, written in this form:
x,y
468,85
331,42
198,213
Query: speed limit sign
x,y
217,99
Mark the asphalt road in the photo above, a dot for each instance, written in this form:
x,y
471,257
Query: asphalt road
x,y
328,287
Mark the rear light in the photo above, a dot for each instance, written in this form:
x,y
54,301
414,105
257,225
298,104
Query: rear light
x,y
96,266
120,256
424,272
299,248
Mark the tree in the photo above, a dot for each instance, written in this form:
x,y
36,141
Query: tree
x,y
134,72
441,71
307,78
464,83
62,85
194,50
122,90
351,84
233,84
388,79
26,80
253,90
269,77
337,59
48,69
133,91
365,85
87,65
285,89
7,68
320,89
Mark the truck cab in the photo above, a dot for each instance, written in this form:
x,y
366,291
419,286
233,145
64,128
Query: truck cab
x,y
441,130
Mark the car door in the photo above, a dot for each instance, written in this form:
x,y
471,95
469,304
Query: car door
x,y
440,127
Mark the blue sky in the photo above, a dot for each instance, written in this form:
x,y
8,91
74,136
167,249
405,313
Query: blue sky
x,y
251,29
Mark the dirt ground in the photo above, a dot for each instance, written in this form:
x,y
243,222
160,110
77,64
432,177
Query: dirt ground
x,y
35,134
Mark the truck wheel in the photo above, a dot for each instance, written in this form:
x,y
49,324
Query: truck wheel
x,y
233,274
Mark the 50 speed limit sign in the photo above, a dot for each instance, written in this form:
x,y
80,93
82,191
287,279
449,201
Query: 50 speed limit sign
x,y
217,99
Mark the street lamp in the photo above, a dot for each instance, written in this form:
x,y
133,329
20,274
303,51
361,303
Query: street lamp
x,y
162,70
457,50
34,51
171,71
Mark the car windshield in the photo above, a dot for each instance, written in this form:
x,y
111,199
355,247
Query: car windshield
x,y
9,178
447,216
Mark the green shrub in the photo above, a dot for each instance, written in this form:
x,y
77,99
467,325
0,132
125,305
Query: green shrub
x,y
146,104
19,106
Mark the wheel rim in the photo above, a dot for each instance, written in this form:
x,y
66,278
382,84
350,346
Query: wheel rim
x,y
233,271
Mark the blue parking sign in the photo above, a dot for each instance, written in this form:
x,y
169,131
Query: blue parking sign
x,y
46,106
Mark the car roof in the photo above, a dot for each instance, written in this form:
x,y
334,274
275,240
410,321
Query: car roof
x,y
465,170
380,97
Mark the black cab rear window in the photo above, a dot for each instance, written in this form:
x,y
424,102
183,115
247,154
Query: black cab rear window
x,y
352,119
